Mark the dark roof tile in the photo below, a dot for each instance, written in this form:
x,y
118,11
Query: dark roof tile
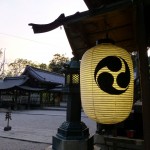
x,y
10,82
44,75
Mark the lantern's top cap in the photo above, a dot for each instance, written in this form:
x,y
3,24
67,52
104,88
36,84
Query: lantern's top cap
x,y
73,65
107,40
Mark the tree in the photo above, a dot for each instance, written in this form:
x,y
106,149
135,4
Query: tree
x,y
1,52
2,63
17,67
57,62
43,66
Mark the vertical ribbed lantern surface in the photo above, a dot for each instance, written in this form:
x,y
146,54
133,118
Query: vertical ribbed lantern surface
x,y
106,78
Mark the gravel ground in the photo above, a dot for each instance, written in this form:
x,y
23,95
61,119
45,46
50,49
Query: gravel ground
x,y
11,144
41,119
32,122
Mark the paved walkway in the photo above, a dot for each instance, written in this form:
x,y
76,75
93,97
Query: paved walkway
x,y
37,125
12,144
27,134
28,131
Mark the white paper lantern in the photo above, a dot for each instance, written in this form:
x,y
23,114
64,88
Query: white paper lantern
x,y
106,80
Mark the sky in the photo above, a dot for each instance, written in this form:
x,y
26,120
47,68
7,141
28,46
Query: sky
x,y
17,38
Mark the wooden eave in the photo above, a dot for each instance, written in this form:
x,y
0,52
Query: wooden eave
x,y
92,4
118,21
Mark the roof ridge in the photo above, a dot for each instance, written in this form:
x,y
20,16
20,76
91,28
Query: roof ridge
x,y
45,71
16,77
32,68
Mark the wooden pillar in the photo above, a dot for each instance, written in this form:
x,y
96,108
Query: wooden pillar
x,y
49,98
29,100
0,98
15,99
144,73
41,99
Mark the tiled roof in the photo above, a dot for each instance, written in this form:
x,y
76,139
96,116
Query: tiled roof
x,y
44,75
41,75
10,82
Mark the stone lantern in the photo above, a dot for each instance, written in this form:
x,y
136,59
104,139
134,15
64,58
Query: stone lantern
x,y
73,131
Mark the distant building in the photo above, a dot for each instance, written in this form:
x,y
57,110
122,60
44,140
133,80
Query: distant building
x,y
34,87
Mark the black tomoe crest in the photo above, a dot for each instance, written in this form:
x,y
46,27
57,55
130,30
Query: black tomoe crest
x,y
105,79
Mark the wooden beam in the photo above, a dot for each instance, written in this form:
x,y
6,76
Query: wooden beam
x,y
144,73
147,2
110,29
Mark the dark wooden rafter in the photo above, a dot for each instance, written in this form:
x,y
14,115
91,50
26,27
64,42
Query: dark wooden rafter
x,y
109,29
91,4
127,45
94,29
80,33
77,41
147,20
